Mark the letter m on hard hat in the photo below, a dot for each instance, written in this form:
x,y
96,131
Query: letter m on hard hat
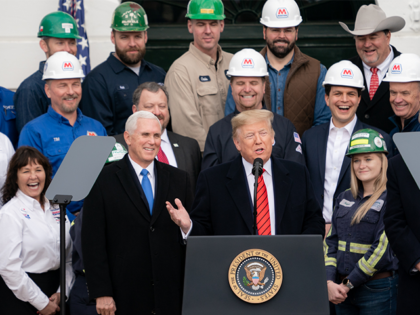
x,y
68,66
347,73
282,13
397,68
248,63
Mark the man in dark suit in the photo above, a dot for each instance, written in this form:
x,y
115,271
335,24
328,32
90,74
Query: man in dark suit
x,y
224,196
372,34
176,150
133,253
325,146
402,227
248,88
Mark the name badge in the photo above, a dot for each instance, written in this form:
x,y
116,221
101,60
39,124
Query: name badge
x,y
122,87
204,78
377,206
346,203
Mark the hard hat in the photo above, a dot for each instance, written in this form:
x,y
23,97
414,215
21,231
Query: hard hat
x,y
58,24
205,10
62,65
129,17
247,63
404,68
366,141
117,153
344,73
280,14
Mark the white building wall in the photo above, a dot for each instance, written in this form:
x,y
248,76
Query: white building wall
x,y
20,53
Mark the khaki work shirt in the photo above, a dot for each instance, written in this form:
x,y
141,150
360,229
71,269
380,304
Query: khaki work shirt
x,y
197,92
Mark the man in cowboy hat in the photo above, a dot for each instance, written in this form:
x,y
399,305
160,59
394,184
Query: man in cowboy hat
x,y
372,34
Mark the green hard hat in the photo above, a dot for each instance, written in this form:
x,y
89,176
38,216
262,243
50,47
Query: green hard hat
x,y
366,141
58,24
205,10
129,17
117,153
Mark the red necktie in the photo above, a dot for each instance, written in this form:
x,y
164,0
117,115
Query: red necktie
x,y
374,82
263,213
162,157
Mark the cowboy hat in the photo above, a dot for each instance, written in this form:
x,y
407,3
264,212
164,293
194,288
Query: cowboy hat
x,y
371,19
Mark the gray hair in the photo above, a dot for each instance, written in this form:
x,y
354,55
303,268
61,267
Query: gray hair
x,y
151,87
131,124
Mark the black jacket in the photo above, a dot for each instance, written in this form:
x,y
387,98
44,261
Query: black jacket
x,y
375,112
222,204
130,255
219,147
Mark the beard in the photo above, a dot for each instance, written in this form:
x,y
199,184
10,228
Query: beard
x,y
130,61
280,52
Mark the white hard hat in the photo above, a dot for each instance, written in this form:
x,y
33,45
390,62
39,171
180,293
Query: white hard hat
x,y
280,14
247,63
344,73
404,68
62,65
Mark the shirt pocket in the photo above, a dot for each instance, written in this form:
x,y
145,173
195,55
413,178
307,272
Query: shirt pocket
x,y
56,156
122,97
367,225
209,103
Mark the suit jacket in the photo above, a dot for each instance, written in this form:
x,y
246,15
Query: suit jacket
x,y
186,150
315,141
135,257
223,206
375,112
402,227
220,147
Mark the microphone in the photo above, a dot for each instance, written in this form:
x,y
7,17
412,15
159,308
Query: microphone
x,y
257,170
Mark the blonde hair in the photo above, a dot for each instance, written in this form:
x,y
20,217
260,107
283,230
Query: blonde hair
x,y
251,117
379,187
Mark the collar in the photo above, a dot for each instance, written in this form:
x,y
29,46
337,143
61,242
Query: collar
x,y
41,66
407,123
349,127
248,167
289,64
206,58
164,136
61,119
117,66
31,203
138,168
383,67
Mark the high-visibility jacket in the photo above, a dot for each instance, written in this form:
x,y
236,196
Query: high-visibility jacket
x,y
358,251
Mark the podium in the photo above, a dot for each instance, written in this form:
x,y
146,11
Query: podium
x,y
282,275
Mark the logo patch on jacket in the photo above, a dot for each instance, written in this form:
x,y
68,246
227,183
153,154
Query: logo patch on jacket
x,y
204,78
346,203
297,138
377,206
91,133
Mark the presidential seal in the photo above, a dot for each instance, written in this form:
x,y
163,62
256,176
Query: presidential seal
x,y
255,276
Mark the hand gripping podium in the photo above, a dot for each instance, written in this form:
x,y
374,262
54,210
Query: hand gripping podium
x,y
282,275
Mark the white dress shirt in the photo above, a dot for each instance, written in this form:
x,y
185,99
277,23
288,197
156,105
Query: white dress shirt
x,y
166,147
151,175
30,242
268,180
338,141
6,153
382,69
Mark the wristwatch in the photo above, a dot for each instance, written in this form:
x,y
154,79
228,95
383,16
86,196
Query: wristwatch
x,y
347,283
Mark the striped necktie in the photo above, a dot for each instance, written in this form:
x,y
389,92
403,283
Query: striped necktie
x,y
374,82
263,213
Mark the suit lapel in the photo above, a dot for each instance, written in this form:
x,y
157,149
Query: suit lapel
x,y
281,187
322,150
161,190
178,150
131,185
237,185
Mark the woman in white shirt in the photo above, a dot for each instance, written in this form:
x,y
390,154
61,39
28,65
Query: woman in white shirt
x,y
30,239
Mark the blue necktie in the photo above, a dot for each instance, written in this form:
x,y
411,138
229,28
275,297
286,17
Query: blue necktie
x,y
147,188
